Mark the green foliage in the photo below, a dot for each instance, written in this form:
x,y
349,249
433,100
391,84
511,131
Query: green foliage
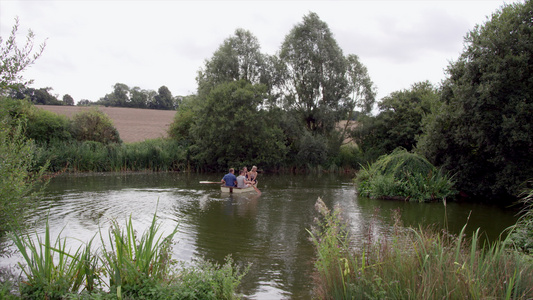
x,y
68,100
74,156
313,150
135,268
50,270
349,157
163,99
46,126
400,121
40,96
230,128
132,263
14,60
184,118
415,264
94,125
403,175
330,238
484,131
522,235
124,96
315,74
210,281
360,86
17,181
39,125
238,58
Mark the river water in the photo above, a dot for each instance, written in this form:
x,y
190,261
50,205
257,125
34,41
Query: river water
x,y
269,231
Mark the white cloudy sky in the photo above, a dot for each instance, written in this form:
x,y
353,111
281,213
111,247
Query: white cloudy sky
x,y
91,45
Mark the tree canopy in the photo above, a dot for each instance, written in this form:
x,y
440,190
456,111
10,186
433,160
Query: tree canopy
x,y
399,122
231,130
315,85
484,131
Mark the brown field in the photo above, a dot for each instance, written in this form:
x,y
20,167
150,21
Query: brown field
x,y
133,124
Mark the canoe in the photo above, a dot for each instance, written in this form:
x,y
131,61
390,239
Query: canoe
x,y
235,190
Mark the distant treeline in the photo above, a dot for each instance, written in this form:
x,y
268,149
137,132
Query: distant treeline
x,y
121,96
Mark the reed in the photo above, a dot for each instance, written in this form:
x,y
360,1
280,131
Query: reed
x,y
89,156
419,263
134,264
50,270
404,176
129,268
522,233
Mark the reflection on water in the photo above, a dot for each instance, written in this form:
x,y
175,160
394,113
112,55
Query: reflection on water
x,y
268,231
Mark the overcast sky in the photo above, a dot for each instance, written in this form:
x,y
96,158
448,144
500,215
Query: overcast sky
x,y
91,45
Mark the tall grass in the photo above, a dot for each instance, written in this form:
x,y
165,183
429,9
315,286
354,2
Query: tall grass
x,y
522,234
403,175
131,263
89,156
131,267
50,270
419,263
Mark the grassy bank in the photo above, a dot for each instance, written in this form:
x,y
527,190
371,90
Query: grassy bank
x,y
415,263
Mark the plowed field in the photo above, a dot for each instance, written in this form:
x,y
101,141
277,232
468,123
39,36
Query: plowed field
x,y
133,124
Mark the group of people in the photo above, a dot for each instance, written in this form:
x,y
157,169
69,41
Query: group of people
x,y
245,179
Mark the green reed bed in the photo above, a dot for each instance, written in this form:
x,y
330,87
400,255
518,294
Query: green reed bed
x,y
131,267
132,264
417,263
50,270
89,156
405,176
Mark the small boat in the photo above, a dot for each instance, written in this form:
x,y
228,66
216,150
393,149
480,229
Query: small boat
x,y
236,190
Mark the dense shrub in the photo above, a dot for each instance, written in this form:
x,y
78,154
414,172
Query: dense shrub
x,y
17,182
94,125
349,157
403,175
45,126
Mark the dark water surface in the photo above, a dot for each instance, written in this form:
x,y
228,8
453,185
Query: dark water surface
x,y
268,231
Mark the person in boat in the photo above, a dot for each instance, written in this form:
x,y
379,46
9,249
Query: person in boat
x,y
229,179
242,182
252,175
245,169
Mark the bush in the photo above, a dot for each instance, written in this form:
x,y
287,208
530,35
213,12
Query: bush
x,y
403,175
349,156
313,150
94,125
17,182
45,126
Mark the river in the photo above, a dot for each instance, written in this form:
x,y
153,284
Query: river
x,y
269,231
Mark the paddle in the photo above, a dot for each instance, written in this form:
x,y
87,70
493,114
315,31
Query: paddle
x,y
211,182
